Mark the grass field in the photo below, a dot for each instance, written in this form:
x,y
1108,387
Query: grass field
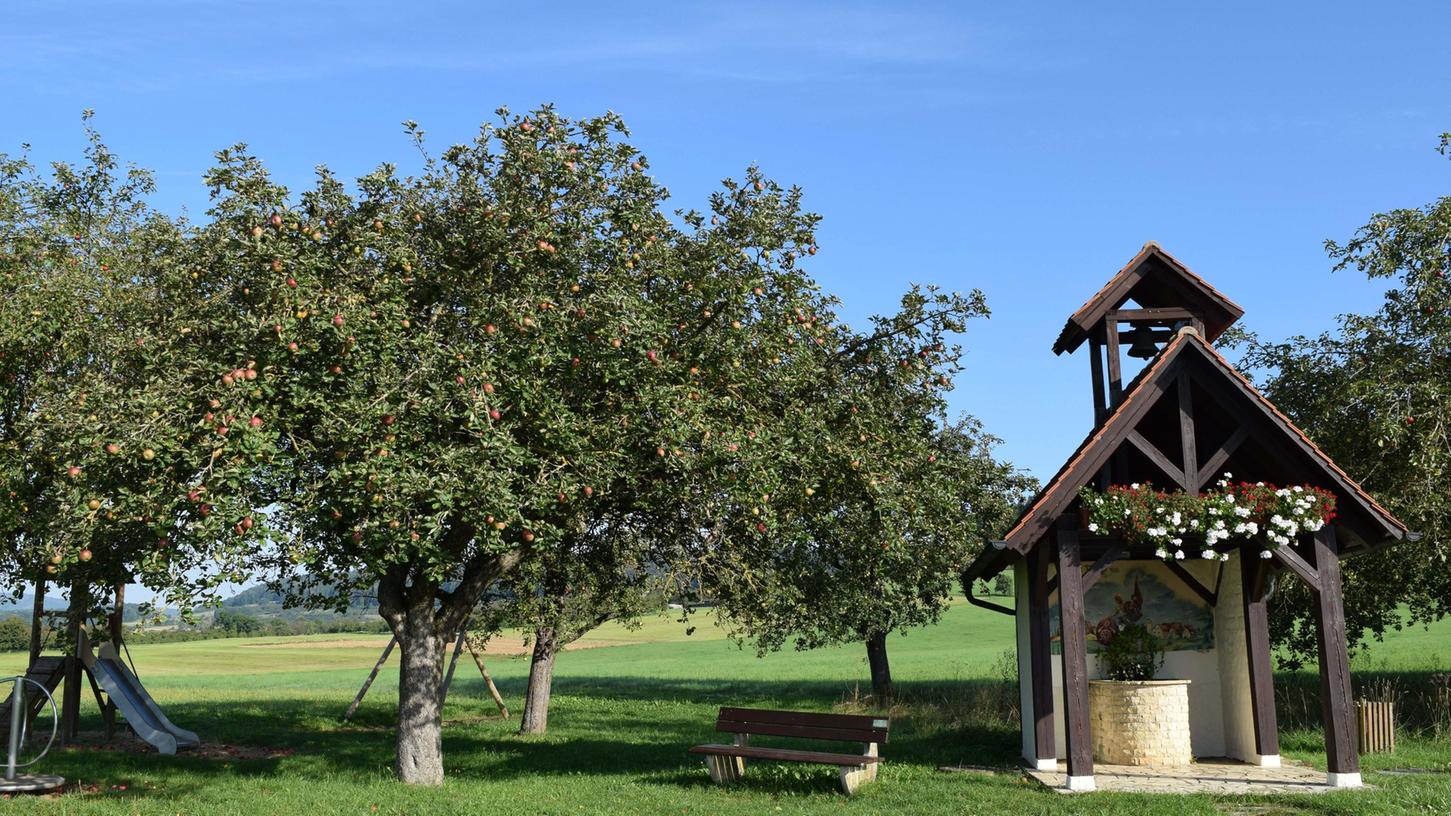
x,y
621,720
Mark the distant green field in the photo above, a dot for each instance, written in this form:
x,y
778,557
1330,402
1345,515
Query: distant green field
x,y
622,717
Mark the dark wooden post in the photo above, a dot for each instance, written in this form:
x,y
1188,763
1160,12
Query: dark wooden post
x,y
70,712
1336,696
1115,365
1075,657
118,617
37,619
1040,656
1254,580
1100,410
1189,446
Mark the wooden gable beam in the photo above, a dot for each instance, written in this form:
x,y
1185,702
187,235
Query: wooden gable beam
x,y
1158,458
1211,467
1186,434
1090,460
1115,551
1210,597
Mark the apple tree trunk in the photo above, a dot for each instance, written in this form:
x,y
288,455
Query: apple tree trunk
x,y
420,720
881,670
541,679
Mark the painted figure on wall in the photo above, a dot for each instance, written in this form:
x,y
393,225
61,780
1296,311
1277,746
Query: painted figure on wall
x,y
1144,593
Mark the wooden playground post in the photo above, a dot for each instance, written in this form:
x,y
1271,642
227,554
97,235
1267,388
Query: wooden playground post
x,y
37,618
71,699
118,617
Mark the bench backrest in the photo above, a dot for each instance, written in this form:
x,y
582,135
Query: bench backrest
x,y
804,724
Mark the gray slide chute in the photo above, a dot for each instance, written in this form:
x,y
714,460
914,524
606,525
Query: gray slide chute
x,y
141,712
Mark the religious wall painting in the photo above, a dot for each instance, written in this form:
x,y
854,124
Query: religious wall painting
x,y
1147,593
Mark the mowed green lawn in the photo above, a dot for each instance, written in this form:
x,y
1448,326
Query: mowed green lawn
x,y
623,715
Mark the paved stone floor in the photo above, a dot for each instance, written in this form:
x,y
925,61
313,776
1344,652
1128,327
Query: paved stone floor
x,y
1213,776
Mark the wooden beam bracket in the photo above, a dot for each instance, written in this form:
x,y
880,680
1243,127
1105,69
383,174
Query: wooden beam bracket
x,y
1210,597
1210,468
1101,564
1286,555
1158,458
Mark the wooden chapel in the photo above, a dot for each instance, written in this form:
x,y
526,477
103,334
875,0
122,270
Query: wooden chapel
x,y
1186,418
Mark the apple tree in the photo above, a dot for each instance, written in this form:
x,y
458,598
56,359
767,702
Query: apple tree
x,y
468,367
884,503
105,364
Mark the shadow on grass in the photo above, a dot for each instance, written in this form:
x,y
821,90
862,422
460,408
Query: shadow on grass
x,y
600,725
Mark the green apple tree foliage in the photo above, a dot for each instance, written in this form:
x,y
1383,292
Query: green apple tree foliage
x,y
882,502
107,446
468,367
1375,394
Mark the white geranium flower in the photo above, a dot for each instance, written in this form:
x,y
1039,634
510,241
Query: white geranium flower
x,y
1093,527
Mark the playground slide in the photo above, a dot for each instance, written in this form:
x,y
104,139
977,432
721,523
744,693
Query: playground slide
x,y
140,711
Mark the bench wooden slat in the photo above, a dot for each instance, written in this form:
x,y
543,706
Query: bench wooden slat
x,y
802,731
800,718
785,755
805,724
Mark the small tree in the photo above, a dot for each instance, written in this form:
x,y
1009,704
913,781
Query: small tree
x,y
1374,395
589,579
883,502
1133,654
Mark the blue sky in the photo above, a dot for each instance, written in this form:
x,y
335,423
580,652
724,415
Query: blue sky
x,y
1025,149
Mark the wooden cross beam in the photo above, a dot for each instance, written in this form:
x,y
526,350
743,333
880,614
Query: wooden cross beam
x,y
1158,458
1210,597
1286,555
1221,455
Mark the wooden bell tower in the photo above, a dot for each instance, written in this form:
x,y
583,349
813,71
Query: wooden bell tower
x,y
1166,296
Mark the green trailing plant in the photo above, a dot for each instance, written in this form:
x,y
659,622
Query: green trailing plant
x,y
1133,654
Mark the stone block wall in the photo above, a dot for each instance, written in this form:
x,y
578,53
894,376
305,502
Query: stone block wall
x,y
1144,723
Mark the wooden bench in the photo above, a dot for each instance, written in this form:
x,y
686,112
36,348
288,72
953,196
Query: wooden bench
x,y
727,763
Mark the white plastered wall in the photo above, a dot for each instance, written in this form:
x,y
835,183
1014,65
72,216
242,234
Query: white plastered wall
x,y
1219,707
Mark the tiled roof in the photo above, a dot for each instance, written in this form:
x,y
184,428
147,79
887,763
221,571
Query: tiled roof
x,y
1057,493
1097,306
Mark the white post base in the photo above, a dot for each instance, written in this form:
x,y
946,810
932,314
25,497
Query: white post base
x,y
1081,784
1043,764
1343,780
1268,761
